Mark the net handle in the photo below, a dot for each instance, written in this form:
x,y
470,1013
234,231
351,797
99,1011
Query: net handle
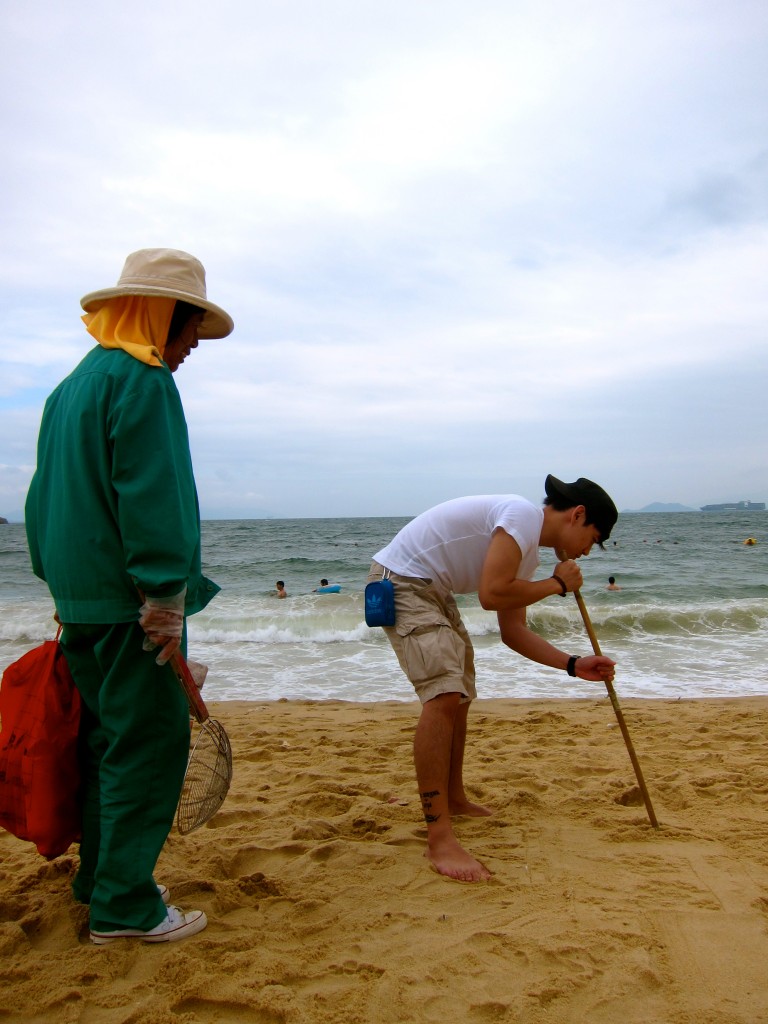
x,y
188,684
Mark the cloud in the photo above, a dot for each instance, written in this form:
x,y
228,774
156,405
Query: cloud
x,y
462,246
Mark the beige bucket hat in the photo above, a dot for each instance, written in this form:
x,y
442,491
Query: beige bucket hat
x,y
171,273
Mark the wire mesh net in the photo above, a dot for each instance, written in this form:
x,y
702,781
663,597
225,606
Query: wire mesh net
x,y
208,777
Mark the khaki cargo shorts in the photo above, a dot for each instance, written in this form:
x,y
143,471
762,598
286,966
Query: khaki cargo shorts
x,y
429,638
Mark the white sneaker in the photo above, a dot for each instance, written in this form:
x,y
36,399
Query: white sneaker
x,y
177,925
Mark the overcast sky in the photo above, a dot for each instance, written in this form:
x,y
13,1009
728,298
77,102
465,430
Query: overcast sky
x,y
464,244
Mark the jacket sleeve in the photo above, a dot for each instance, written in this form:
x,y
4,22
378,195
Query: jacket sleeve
x,y
152,476
30,525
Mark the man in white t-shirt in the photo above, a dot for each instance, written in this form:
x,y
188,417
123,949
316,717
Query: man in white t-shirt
x,y
488,544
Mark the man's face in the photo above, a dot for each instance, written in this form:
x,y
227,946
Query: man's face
x,y
578,536
178,348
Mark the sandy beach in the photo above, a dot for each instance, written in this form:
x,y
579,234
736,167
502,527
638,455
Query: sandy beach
x,y
322,907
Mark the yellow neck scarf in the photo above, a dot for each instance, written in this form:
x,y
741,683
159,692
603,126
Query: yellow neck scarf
x,y
138,324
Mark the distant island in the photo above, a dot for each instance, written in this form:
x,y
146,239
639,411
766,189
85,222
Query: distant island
x,y
728,506
3,522
660,506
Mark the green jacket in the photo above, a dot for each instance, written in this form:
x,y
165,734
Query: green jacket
x,y
112,506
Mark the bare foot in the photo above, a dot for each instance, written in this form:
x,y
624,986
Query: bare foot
x,y
468,808
448,858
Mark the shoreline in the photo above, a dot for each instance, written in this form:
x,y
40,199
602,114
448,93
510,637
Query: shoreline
x,y
244,703
323,909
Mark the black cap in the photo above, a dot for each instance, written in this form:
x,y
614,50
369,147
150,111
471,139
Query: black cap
x,y
600,508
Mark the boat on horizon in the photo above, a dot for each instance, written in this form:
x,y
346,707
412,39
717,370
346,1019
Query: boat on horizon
x,y
736,506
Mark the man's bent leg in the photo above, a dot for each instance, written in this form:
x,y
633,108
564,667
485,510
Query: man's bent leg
x,y
432,752
458,801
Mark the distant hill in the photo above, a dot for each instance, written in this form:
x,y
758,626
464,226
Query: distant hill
x,y
660,506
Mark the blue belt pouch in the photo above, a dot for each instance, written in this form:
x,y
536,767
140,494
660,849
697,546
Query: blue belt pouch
x,y
380,603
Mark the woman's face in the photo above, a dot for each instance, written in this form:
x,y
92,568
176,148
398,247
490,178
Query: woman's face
x,y
178,348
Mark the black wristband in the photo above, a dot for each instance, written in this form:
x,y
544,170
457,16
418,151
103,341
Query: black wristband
x,y
563,587
570,668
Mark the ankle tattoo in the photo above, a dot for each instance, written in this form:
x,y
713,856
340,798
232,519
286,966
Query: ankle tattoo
x,y
426,805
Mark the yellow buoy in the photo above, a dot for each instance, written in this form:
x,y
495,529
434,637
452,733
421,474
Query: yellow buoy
x,y
750,541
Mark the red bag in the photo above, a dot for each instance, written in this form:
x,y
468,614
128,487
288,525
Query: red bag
x,y
39,769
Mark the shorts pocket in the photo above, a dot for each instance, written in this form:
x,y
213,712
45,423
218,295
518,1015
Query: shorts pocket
x,y
431,651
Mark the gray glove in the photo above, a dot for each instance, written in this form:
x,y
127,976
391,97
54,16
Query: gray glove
x,y
162,619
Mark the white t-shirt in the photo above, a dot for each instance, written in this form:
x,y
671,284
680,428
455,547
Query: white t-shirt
x,y
448,543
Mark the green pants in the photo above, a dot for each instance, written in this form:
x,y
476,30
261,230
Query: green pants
x,y
134,742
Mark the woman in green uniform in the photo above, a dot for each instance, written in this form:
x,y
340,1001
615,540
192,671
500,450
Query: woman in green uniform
x,y
113,527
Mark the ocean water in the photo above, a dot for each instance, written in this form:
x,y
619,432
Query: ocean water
x,y
689,621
